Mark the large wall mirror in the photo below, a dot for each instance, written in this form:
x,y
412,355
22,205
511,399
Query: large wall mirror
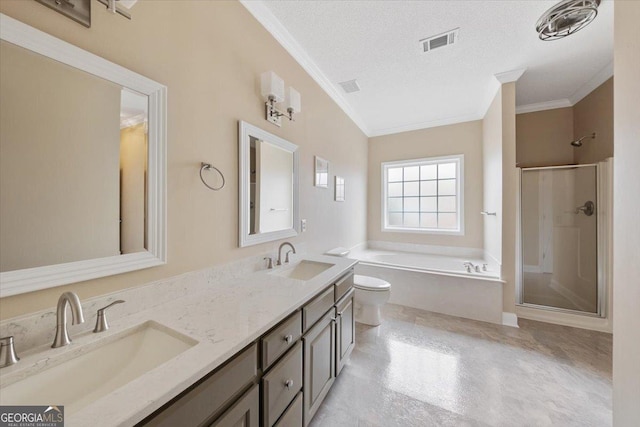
x,y
82,164
268,186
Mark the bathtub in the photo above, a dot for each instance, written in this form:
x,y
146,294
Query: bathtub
x,y
434,282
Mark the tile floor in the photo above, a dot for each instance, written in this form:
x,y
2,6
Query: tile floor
x,y
426,369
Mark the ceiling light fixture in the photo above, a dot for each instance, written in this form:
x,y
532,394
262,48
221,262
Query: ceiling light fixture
x,y
566,18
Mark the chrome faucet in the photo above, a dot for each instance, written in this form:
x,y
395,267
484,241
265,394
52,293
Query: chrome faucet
x,y
101,318
279,261
8,354
62,336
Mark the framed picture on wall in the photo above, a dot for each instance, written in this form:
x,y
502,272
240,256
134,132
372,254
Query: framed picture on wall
x,y
322,173
339,195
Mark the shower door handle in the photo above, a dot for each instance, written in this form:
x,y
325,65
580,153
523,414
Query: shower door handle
x,y
588,208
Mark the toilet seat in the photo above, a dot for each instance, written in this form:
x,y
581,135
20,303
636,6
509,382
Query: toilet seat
x,y
368,283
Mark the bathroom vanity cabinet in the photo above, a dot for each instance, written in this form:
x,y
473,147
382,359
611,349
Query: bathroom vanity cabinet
x,y
279,380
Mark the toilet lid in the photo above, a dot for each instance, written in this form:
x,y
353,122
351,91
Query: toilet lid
x,y
370,283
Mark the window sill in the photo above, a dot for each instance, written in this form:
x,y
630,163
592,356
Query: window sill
x,y
456,232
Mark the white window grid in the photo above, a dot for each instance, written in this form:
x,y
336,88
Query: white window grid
x,y
458,160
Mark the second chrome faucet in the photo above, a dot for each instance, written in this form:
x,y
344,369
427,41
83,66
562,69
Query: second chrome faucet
x,y
279,261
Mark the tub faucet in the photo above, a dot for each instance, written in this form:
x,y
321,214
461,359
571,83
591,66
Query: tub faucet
x,y
62,335
469,266
279,261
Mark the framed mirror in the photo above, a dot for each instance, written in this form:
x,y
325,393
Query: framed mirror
x,y
268,181
83,165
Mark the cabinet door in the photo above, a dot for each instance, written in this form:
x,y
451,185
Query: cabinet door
x,y
319,363
244,413
346,330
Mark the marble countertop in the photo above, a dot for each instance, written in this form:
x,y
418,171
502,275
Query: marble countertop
x,y
224,318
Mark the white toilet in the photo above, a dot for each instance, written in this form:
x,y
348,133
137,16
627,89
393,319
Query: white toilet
x,y
371,294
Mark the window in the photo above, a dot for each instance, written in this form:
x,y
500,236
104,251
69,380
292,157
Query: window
x,y
423,195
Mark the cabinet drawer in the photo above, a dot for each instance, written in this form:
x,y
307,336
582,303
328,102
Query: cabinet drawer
x,y
292,417
243,413
314,310
208,399
343,285
281,385
278,341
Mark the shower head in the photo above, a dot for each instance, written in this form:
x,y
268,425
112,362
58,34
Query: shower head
x,y
578,142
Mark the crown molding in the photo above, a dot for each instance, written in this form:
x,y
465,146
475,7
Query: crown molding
x,y
510,76
541,106
426,125
268,20
602,76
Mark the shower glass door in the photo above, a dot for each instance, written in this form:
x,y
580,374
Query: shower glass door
x,y
559,230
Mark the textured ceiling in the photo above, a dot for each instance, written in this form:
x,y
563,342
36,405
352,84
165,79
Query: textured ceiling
x,y
376,42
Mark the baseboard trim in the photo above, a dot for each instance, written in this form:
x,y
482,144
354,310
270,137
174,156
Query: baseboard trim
x,y
592,323
510,319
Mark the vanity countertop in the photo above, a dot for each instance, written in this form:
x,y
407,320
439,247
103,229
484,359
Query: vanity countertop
x,y
224,319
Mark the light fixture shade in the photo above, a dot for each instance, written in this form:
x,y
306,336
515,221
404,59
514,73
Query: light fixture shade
x,y
272,85
293,100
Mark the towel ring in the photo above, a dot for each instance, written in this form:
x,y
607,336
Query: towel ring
x,y
209,166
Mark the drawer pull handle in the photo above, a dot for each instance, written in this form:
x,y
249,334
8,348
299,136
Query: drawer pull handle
x,y
288,384
288,339
333,319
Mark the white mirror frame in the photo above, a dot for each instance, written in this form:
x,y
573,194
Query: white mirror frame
x,y
245,130
33,279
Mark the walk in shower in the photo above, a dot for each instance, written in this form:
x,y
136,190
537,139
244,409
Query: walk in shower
x,y
561,259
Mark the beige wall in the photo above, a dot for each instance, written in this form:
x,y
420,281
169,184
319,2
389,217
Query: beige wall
x,y
133,179
461,138
594,113
210,56
509,196
58,188
500,186
492,178
626,206
543,138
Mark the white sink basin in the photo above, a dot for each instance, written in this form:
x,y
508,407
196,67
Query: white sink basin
x,y
79,381
303,270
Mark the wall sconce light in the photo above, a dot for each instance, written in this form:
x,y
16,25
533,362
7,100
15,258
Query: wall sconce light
x,y
113,6
272,89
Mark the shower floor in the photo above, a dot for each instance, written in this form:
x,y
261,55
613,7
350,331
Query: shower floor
x,y
537,290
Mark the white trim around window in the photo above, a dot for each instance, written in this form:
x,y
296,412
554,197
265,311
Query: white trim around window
x,y
427,195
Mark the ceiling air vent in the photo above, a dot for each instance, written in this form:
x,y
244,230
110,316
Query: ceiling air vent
x,y
350,86
441,40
